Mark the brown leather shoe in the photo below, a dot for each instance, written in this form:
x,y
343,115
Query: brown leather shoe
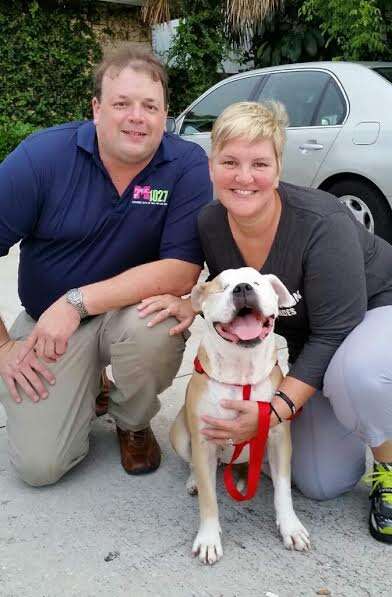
x,y
102,400
140,451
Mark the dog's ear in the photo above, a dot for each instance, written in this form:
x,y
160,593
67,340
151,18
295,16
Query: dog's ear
x,y
197,295
284,296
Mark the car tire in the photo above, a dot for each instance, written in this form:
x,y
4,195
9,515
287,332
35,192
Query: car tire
x,y
367,203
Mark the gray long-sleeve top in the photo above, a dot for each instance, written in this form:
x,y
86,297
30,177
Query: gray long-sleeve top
x,y
332,266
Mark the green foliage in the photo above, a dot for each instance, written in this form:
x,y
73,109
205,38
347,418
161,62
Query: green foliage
x,y
196,55
299,31
286,37
11,134
46,52
358,28
203,41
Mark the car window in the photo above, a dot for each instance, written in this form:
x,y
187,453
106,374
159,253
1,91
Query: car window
x,y
332,109
300,93
203,115
385,72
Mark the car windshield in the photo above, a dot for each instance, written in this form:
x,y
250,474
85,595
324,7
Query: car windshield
x,y
385,72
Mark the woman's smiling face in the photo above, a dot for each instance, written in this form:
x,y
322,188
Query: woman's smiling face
x,y
245,176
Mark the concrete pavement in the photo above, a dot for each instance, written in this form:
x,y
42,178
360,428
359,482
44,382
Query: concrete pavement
x,y
102,533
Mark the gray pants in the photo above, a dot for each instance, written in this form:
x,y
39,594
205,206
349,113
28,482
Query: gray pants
x,y
354,410
48,438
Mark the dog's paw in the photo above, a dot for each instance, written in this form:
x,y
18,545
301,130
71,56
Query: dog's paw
x,y
208,545
191,485
294,534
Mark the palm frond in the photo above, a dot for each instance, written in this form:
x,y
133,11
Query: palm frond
x,y
241,16
244,15
156,11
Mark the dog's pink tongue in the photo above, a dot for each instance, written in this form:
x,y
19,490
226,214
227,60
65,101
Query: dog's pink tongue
x,y
246,328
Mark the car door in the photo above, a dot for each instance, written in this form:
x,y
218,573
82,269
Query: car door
x,y
316,109
196,123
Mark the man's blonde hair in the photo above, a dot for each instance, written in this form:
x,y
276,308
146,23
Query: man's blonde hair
x,y
253,121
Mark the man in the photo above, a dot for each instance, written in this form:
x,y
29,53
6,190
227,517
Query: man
x,y
106,211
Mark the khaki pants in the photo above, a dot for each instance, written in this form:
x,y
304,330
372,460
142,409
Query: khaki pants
x,y
48,438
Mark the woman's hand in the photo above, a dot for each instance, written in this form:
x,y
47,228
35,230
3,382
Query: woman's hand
x,y
240,429
167,305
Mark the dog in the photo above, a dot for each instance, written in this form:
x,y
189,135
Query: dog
x,y
240,307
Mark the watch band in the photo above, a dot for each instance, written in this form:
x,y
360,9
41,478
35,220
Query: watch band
x,y
75,298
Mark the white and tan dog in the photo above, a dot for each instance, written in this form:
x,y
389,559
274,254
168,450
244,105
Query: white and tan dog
x,y
239,307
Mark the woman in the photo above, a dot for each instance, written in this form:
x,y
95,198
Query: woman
x,y
339,333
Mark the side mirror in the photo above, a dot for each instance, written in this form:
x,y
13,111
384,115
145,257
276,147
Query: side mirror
x,y
170,124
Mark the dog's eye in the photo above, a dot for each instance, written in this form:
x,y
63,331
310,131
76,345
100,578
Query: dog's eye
x,y
221,290
256,283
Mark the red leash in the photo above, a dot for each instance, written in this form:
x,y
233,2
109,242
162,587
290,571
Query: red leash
x,y
256,448
256,454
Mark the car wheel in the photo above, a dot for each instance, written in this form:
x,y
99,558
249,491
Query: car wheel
x,y
368,205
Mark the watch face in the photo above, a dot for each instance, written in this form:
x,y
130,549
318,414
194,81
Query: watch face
x,y
73,296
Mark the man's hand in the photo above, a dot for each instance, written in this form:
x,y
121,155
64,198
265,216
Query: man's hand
x,y
50,336
23,373
167,305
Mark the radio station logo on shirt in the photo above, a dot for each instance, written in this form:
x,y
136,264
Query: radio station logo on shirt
x,y
148,196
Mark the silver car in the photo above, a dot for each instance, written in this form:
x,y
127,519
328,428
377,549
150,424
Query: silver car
x,y
340,133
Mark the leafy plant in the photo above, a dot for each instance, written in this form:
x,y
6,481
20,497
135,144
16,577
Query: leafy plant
x,y
197,52
358,29
11,134
46,54
285,37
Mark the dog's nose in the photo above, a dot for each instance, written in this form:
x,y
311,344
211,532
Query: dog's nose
x,y
244,296
242,288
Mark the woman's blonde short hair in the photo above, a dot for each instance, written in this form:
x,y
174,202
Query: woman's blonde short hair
x,y
252,121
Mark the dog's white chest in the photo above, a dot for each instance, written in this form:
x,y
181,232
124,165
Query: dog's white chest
x,y
210,405
215,392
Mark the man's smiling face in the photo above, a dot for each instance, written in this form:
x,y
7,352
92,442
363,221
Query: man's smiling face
x,y
130,116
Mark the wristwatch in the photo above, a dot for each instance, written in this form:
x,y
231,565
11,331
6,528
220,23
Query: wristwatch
x,y
75,298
